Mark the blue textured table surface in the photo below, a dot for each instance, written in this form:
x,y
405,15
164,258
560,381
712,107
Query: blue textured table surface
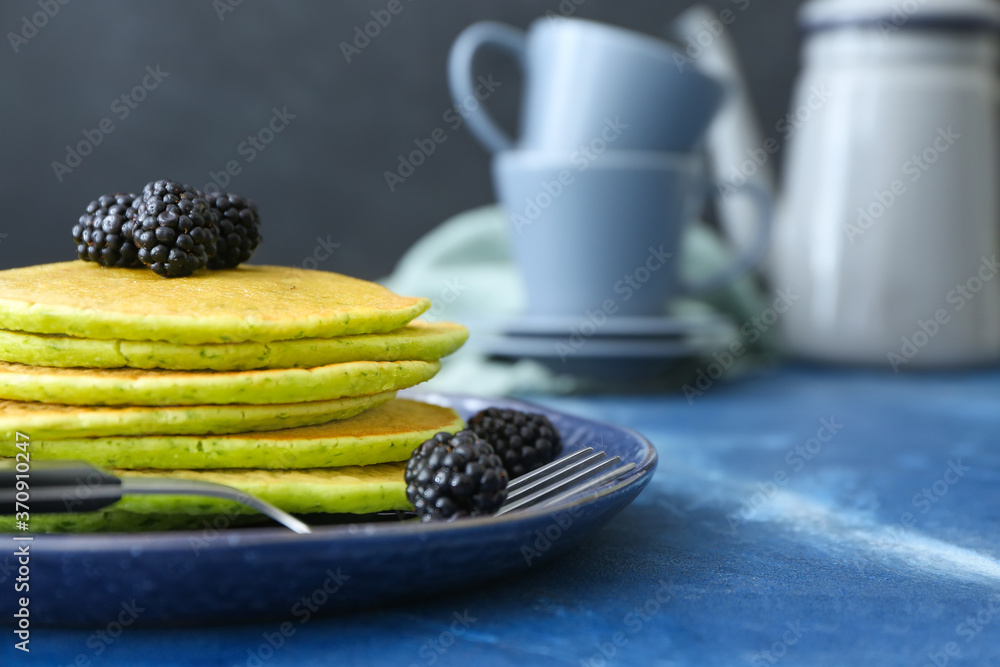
x,y
798,517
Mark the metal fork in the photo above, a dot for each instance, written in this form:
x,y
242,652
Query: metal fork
x,y
76,486
563,478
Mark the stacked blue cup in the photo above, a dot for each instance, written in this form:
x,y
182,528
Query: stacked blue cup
x,y
608,169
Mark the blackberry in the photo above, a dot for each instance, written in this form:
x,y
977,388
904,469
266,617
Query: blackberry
x,y
238,225
523,441
452,476
104,233
173,231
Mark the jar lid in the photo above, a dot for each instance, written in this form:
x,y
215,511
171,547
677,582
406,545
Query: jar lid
x,y
969,15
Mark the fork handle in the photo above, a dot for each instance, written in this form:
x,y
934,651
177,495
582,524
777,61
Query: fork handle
x,y
57,488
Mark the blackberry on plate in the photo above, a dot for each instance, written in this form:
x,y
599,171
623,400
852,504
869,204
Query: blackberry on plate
x,y
238,225
104,233
173,231
452,476
522,440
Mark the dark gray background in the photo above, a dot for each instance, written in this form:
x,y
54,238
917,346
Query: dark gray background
x,y
323,176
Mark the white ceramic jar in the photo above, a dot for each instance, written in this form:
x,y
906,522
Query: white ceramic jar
x,y
889,225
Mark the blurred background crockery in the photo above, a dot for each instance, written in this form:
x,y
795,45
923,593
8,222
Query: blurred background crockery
x,y
740,227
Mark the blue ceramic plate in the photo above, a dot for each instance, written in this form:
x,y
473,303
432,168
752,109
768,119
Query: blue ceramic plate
x,y
666,327
623,350
194,578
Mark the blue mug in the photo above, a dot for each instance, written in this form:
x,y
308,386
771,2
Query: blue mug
x,y
588,233
582,76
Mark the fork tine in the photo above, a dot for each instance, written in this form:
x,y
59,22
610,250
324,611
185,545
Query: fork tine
x,y
559,486
167,486
529,477
554,475
589,484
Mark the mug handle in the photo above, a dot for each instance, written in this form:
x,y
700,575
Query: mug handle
x,y
500,36
755,253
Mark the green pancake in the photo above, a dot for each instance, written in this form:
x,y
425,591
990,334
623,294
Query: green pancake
x,y
389,432
248,303
418,341
127,386
120,521
349,490
48,421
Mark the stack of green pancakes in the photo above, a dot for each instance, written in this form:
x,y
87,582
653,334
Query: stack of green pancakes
x,y
279,382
